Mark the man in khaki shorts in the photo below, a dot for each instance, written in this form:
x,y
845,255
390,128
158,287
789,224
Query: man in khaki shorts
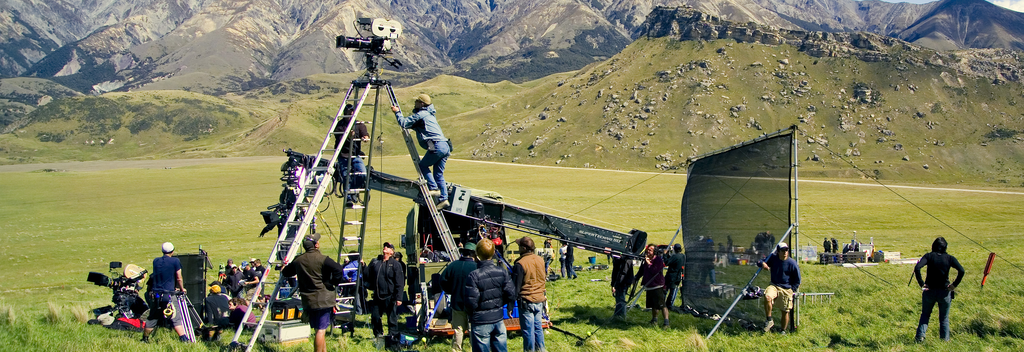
x,y
785,281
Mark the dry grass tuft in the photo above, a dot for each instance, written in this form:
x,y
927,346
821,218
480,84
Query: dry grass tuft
x,y
693,341
80,313
53,313
627,343
8,316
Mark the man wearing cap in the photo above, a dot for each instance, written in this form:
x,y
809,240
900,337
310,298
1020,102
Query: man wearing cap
x,y
453,280
488,289
621,280
166,276
529,278
318,276
428,132
385,277
674,274
216,313
251,278
785,281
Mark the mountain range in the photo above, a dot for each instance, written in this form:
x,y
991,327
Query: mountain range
x,y
219,46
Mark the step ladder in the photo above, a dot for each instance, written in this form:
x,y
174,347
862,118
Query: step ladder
x,y
312,188
435,213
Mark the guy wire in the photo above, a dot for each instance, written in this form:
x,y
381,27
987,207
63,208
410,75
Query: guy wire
x,y
854,166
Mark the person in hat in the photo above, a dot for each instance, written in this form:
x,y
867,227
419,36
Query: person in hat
x,y
529,277
386,278
674,274
453,280
317,275
216,313
166,276
785,281
621,280
428,132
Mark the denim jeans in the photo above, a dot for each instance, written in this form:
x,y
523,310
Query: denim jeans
x,y
561,264
672,293
489,337
928,300
620,301
570,271
531,317
356,181
436,158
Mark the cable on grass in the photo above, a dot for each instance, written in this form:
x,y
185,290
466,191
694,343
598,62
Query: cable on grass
x,y
872,177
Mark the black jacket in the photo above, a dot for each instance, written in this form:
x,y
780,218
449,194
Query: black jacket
x,y
453,280
488,289
674,274
622,273
216,310
385,278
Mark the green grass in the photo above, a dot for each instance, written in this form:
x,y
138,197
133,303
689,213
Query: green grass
x,y
60,226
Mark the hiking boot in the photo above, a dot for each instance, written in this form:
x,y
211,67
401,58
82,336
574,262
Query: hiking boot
x,y
443,204
768,325
145,339
434,193
665,325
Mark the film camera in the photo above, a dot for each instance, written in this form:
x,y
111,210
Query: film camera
x,y
125,285
384,32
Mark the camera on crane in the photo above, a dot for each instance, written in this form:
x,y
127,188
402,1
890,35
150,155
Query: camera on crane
x,y
385,32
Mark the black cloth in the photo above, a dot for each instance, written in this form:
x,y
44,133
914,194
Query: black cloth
x,y
488,289
232,283
674,274
216,310
385,278
318,276
389,307
827,245
938,270
165,273
622,273
453,280
260,270
356,134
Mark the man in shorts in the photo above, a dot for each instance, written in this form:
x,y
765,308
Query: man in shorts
x,y
316,273
166,276
785,281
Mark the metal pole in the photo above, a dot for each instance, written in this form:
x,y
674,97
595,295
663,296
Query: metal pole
x,y
737,300
796,219
676,235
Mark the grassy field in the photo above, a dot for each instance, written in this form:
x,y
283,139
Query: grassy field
x,y
58,226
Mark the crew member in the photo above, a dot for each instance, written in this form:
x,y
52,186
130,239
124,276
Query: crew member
x,y
453,281
622,279
653,282
785,281
384,275
316,276
216,313
529,278
488,289
936,287
166,276
674,274
351,152
428,132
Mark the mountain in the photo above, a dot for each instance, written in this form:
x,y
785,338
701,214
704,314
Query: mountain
x,y
220,46
961,24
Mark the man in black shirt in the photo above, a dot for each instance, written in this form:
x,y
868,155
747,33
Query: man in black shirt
x,y
386,278
622,279
216,313
936,287
674,274
351,150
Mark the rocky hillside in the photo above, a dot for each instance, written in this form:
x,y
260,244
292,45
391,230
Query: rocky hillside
x,y
220,46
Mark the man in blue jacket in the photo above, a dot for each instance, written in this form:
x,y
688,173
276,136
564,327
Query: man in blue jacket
x,y
428,133
785,281
488,289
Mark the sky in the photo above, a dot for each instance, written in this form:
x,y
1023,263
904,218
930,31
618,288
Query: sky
x,y
1016,5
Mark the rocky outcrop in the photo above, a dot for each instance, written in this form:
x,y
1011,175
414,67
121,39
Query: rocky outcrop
x,y
686,23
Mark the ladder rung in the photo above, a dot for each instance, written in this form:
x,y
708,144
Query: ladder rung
x,y
358,206
353,222
303,204
358,173
356,238
347,284
294,223
349,255
339,299
312,186
355,190
319,169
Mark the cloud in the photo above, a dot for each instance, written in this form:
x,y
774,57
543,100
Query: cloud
x,y
1016,5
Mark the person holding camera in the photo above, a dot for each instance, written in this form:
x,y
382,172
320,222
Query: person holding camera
x,y
936,287
428,132
166,276
318,276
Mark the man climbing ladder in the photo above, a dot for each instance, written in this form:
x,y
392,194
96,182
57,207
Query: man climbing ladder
x,y
430,137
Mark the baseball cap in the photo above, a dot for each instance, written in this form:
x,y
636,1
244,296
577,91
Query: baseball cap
x,y
310,241
389,245
167,247
783,246
677,247
470,246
